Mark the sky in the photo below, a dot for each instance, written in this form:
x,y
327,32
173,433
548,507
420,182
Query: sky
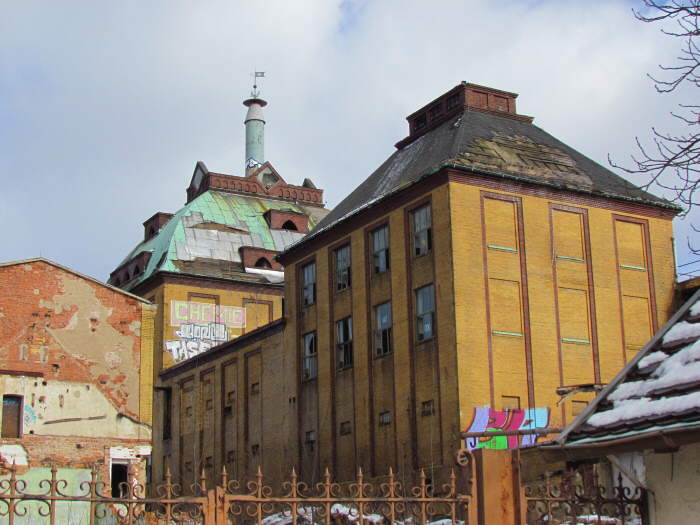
x,y
105,107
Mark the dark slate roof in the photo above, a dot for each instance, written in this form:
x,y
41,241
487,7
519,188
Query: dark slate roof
x,y
658,391
493,144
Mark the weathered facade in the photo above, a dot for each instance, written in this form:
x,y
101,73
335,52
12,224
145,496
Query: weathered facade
x,y
75,375
483,267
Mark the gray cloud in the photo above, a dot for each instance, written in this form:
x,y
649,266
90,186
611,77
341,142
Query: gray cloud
x,y
105,108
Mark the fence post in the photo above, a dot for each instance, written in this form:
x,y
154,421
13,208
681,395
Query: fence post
x,y
498,497
214,510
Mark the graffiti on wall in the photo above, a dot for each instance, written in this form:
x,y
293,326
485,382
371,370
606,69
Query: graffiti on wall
x,y
485,419
200,327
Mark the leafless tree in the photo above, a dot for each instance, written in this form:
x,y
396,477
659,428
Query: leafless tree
x,y
673,161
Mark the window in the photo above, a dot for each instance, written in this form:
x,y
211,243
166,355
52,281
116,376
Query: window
x,y
425,313
255,450
289,225
382,333
308,289
345,428
11,416
310,366
342,268
263,263
452,101
384,418
435,112
310,440
419,122
343,338
380,249
167,413
119,478
255,388
427,408
422,231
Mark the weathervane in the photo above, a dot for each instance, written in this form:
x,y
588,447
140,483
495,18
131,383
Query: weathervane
x,y
256,75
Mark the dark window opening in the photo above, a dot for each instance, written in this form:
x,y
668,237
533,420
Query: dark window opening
x,y
427,408
419,122
11,416
167,413
345,428
119,478
289,225
263,263
343,337
310,440
452,101
435,112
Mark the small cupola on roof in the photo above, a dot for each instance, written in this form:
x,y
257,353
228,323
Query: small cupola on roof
x,y
461,97
254,129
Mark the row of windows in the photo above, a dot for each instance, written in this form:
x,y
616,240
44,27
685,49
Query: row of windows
x,y
383,342
422,244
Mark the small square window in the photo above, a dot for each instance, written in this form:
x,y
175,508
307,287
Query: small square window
x,y
427,408
384,418
345,428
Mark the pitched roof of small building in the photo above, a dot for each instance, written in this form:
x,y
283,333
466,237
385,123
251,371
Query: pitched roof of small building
x,y
656,393
482,132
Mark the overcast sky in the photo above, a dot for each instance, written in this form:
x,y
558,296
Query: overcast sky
x,y
105,107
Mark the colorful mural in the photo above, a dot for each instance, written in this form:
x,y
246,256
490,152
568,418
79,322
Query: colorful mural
x,y
200,327
487,419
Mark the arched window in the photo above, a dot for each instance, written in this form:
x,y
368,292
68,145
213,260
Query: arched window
x,y
289,225
263,263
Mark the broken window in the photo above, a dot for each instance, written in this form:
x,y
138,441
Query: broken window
x,y
422,231
310,365
382,333
308,291
343,334
119,478
342,268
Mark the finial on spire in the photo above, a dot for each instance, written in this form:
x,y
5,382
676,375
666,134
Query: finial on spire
x,y
255,92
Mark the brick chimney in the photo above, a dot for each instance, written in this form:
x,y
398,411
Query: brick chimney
x,y
464,96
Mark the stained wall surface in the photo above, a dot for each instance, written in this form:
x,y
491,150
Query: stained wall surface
x,y
78,356
673,480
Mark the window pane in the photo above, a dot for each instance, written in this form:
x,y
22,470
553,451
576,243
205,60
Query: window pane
x,y
384,316
425,301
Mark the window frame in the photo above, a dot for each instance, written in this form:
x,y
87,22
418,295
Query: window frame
x,y
308,287
20,413
377,253
342,275
308,372
420,315
422,234
343,343
383,333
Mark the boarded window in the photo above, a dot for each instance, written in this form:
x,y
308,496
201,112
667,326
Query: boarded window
x,y
501,225
630,245
568,235
573,316
11,416
506,310
510,402
637,322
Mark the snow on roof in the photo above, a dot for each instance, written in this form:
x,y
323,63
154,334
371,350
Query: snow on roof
x,y
659,388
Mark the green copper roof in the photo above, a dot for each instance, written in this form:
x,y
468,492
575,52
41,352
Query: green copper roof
x,y
212,227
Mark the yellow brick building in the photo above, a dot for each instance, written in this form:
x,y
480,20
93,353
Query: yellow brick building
x,y
482,272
